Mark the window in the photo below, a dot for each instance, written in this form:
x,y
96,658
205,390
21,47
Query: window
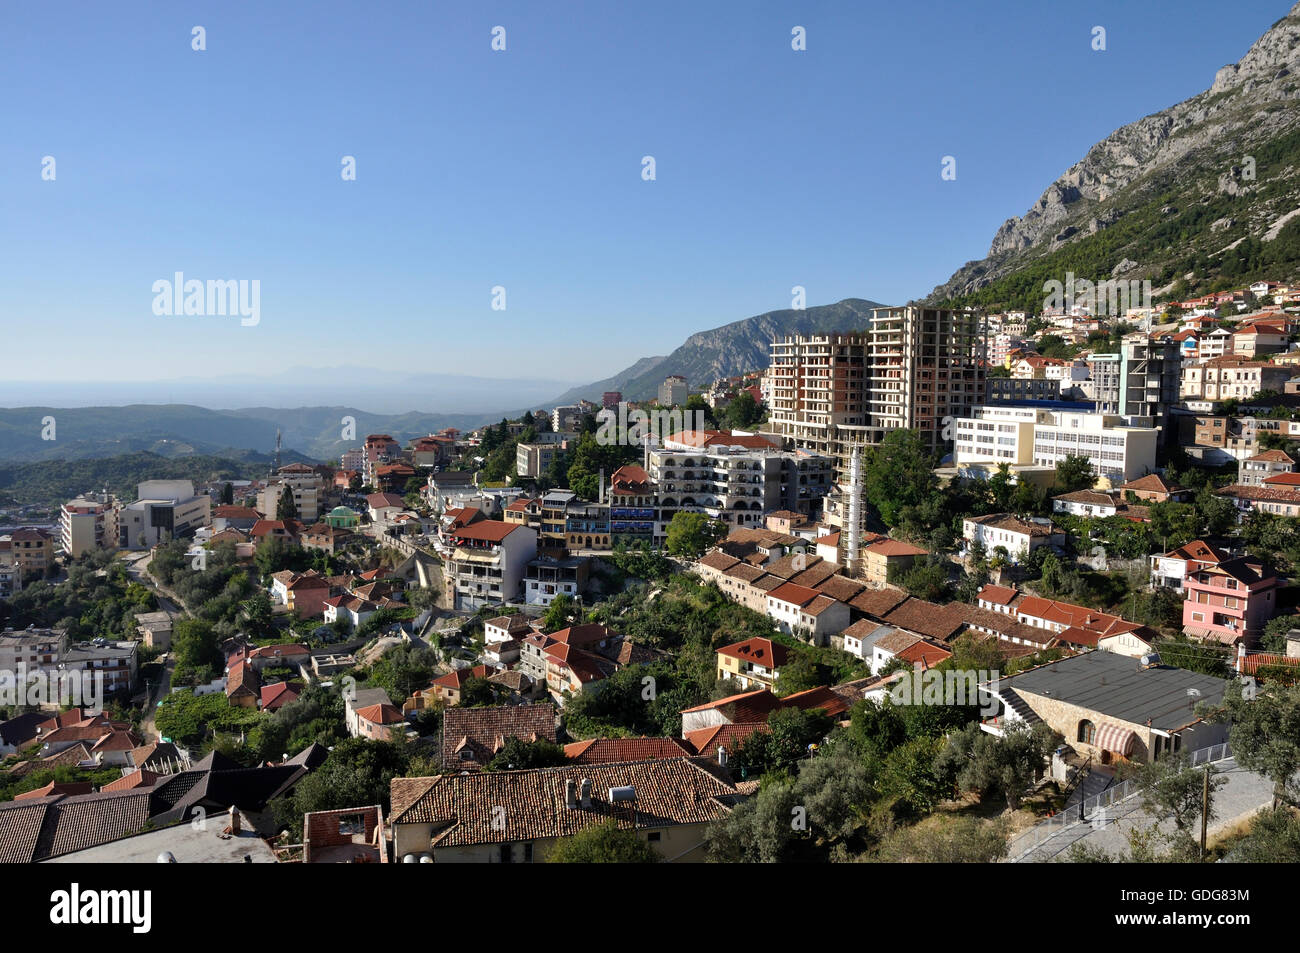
x,y
1087,732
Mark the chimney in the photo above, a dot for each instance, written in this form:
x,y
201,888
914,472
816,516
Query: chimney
x,y
722,756
586,792
1241,657
234,821
570,795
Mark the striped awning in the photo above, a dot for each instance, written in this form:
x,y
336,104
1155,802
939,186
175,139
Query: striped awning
x,y
1115,738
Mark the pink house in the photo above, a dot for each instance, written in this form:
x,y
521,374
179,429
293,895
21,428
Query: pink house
x,y
1229,602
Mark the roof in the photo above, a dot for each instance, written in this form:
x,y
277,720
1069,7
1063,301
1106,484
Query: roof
x,y
707,741
1198,550
1117,687
380,500
380,714
998,595
878,602
894,547
1151,483
929,618
486,531
480,732
760,651
1271,456
794,594
668,792
1014,524
606,750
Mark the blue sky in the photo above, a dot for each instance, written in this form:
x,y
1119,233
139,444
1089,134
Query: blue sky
x,y
522,168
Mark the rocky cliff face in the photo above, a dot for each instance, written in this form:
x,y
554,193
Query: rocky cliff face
x,y
1251,102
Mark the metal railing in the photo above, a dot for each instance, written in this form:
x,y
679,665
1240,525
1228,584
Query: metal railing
x,y
1096,809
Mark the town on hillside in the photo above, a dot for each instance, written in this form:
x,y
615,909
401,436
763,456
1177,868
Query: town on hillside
x,y
967,581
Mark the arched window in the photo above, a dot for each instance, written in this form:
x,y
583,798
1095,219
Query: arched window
x,y
1087,732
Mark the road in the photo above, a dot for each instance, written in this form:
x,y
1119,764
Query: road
x,y
136,572
1245,793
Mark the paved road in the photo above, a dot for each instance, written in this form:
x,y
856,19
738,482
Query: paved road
x,y
1243,795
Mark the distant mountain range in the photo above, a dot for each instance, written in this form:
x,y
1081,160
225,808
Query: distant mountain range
x,y
1200,196
726,351
180,430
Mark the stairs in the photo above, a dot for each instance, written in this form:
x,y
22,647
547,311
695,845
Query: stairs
x,y
1015,703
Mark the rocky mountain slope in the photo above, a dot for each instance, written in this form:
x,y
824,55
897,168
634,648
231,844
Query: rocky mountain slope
x,y
1193,194
727,351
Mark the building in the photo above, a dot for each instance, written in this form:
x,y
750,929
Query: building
x,y
673,391
1017,536
1229,601
914,368
306,485
1025,437
518,816
754,663
32,551
1109,708
736,478
548,577
472,737
1168,570
487,562
1257,469
164,509
535,459
806,613
1232,378
88,523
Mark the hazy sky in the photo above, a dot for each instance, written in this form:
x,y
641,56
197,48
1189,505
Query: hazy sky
x,y
523,168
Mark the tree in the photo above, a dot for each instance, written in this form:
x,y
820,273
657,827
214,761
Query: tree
x,y
691,534
926,578
557,615
950,840
355,482
603,843
898,473
1265,733
743,411
1075,472
1006,766
286,508
1218,514
1274,838
357,772
227,494
516,755
1172,788
195,649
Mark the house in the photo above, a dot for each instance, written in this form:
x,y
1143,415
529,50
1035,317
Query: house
x,y
304,593
472,737
1229,601
1156,489
1253,471
803,611
909,647
1093,503
1170,569
352,609
380,721
860,638
882,556
518,816
755,663
1111,707
361,698
243,685
1018,537
325,537
155,629
448,688
276,656
274,697
382,507
350,835
754,707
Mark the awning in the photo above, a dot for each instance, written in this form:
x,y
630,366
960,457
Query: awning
x,y
1115,738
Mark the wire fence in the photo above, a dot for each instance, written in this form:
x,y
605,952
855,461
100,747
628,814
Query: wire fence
x,y
1100,809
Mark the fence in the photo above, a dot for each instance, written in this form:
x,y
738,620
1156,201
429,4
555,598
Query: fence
x,y
1096,809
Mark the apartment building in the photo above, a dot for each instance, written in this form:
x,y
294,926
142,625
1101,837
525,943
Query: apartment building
x,y
534,459
163,509
486,563
916,368
380,449
1232,378
673,391
1024,437
11,576
735,477
33,552
1255,470
307,487
88,523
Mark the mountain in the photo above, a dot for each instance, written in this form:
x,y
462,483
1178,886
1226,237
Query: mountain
x,y
726,351
1201,196
182,430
